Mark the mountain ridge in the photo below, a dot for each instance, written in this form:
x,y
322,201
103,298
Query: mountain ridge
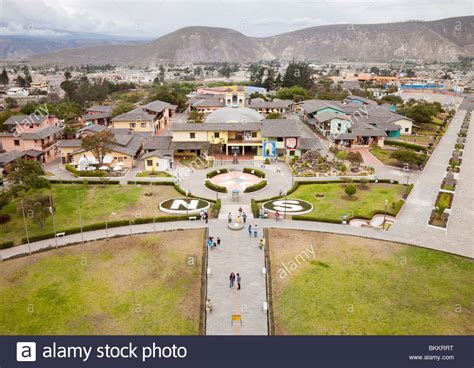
x,y
439,40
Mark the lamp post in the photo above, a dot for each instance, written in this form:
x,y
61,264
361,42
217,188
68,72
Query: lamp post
x,y
284,216
384,214
187,203
26,227
52,218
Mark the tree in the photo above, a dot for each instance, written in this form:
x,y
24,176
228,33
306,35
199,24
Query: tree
x,y
274,115
409,157
294,93
4,77
28,79
298,74
67,75
11,103
99,144
4,218
26,174
195,117
121,108
350,190
37,207
269,82
20,82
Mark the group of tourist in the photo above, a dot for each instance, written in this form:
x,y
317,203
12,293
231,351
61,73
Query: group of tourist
x,y
242,216
211,243
233,278
204,216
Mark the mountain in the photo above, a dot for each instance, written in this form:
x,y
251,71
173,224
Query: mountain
x,y
440,40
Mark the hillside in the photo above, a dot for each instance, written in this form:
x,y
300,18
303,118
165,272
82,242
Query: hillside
x,y
440,40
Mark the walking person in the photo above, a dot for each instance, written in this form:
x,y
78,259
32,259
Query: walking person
x,y
232,280
244,217
255,231
250,230
240,211
229,217
218,242
238,281
206,217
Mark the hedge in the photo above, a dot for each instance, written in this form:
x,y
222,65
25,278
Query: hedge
x,y
255,187
412,146
96,182
216,207
255,172
410,188
255,208
315,218
214,187
111,224
138,182
216,172
7,244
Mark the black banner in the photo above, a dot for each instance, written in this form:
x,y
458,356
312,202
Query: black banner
x,y
222,352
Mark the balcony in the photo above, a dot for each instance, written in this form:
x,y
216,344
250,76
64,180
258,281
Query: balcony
x,y
48,144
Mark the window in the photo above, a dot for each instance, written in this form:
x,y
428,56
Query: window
x,y
142,125
180,151
16,142
407,130
132,125
216,135
254,134
149,162
192,135
291,153
280,139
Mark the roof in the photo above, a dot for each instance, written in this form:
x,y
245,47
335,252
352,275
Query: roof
x,y
311,106
101,109
366,130
363,99
157,143
325,116
33,153
129,144
309,144
158,153
25,119
260,103
101,115
208,102
157,106
70,143
11,156
234,115
281,128
93,128
137,114
42,133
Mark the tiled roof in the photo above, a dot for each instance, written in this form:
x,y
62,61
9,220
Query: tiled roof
x,y
157,153
70,143
25,119
100,109
157,106
137,114
42,133
157,143
216,127
11,156
281,128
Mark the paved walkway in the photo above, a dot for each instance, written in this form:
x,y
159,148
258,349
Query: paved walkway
x,y
239,253
412,222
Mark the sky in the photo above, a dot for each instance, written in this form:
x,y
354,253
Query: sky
x,y
259,18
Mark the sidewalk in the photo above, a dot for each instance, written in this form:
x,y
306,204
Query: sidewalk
x,y
238,253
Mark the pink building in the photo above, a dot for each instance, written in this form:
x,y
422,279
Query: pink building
x,y
34,135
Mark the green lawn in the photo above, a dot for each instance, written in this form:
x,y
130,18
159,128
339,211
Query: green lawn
x,y
156,174
444,200
384,156
357,286
336,203
422,140
95,201
140,285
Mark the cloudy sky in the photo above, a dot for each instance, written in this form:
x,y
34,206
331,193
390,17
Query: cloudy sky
x,y
154,18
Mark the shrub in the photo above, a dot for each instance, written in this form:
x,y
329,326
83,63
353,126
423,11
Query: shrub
x,y
255,187
267,161
350,190
411,146
216,207
214,187
7,244
255,172
255,208
72,170
4,218
216,172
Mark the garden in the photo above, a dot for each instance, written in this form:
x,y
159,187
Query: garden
x,y
345,163
81,204
333,201
140,285
359,286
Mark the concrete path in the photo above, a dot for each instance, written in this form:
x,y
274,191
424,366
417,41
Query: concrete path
x,y
412,222
239,253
